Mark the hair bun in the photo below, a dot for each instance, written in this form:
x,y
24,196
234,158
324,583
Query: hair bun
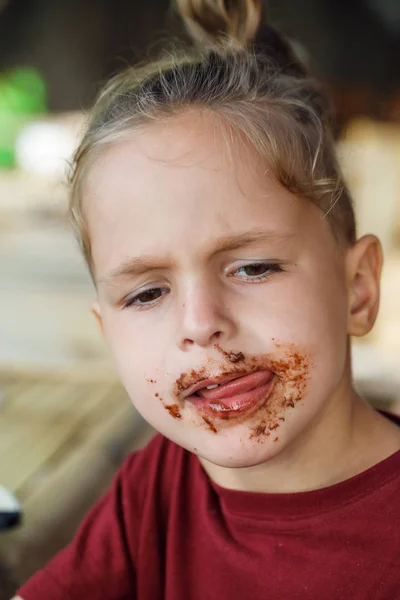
x,y
223,23
220,22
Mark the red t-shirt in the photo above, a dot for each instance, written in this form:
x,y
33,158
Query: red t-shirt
x,y
165,531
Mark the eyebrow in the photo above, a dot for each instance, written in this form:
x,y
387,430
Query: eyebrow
x,y
134,267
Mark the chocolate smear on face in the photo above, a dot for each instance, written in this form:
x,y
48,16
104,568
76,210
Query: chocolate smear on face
x,y
292,373
258,430
291,366
185,380
210,424
233,357
173,409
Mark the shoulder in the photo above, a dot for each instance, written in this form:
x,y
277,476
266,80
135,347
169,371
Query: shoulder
x,y
102,559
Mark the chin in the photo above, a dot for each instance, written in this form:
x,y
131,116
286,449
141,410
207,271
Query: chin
x,y
240,456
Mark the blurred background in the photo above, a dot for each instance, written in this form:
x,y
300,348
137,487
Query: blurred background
x,y
65,422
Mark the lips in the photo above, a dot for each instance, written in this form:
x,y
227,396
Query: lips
x,y
236,386
200,385
238,396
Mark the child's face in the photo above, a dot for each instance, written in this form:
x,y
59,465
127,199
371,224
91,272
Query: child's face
x,y
208,269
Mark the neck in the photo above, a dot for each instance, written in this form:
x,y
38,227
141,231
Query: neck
x,y
347,437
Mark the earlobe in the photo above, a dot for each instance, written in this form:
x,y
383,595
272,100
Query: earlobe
x,y
363,266
97,314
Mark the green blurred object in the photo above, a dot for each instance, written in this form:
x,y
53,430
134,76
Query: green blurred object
x,y
22,95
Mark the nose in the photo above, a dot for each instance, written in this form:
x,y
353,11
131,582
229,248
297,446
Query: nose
x,y
204,317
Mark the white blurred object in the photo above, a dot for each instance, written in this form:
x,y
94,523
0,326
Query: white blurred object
x,y
8,502
376,373
45,149
10,510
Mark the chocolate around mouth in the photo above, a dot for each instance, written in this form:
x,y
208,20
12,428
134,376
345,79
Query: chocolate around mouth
x,y
290,366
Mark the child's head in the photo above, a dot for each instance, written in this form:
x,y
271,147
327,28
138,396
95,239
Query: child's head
x,y
221,240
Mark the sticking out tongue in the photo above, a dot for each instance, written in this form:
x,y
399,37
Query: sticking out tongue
x,y
236,386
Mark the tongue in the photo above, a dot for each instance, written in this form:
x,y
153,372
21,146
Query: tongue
x,y
236,386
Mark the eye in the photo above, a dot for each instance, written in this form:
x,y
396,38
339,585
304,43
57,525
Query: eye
x,y
258,271
146,298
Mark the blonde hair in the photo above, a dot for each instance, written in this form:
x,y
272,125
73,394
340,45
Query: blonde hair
x,y
256,87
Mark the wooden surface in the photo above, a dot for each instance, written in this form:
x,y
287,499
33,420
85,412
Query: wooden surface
x,y
61,440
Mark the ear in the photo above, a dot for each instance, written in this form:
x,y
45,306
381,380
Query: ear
x,y
363,271
97,314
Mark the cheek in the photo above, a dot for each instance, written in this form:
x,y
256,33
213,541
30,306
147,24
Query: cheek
x,y
310,311
139,352
320,319
300,310
141,340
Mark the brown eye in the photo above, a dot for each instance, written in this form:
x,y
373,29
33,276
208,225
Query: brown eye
x,y
258,271
145,298
149,296
255,270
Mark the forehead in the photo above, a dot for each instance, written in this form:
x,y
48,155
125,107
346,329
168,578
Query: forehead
x,y
179,184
